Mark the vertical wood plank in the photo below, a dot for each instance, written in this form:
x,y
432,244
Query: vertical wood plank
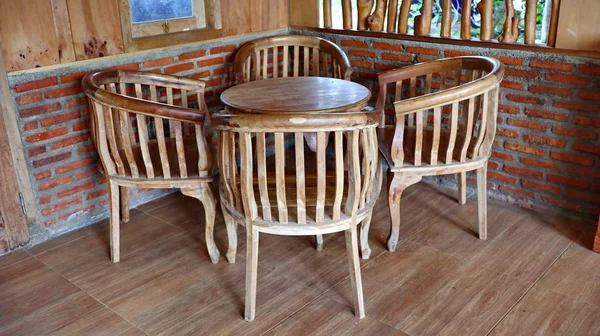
x,y
300,178
162,147
321,178
530,19
453,131
280,177
446,29
465,24
437,124
339,174
261,166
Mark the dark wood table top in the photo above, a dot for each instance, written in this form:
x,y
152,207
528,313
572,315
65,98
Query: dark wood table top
x,y
296,94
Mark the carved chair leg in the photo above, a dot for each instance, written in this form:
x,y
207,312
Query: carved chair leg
x,y
397,186
124,204
461,181
482,200
231,225
251,271
319,239
355,277
205,195
115,221
364,235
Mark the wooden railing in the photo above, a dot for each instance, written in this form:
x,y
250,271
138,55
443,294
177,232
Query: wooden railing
x,y
389,16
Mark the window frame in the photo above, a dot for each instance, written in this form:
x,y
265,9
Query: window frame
x,y
149,35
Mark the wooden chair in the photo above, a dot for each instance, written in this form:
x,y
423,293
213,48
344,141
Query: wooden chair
x,y
283,194
148,130
445,122
296,56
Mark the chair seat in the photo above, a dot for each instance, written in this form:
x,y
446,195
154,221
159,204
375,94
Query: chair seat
x,y
385,138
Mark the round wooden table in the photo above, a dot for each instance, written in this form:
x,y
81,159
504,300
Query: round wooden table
x,y
296,95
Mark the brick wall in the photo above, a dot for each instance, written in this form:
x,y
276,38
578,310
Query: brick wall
x,y
546,155
53,117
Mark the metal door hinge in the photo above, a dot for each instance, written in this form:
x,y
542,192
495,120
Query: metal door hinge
x,y
22,201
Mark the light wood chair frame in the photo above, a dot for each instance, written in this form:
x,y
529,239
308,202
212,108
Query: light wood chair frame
x,y
294,55
116,97
291,216
475,86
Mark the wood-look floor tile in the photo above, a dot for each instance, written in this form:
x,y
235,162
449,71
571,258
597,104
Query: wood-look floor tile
x,y
171,198
529,247
577,272
13,258
545,312
326,316
75,234
99,322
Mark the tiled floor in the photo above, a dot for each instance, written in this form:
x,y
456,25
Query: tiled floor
x,y
535,275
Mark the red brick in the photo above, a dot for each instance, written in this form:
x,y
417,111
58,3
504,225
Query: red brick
x,y
130,66
351,43
572,79
544,140
59,118
524,149
98,193
192,54
557,66
76,77
43,175
76,102
397,57
179,68
587,121
502,156
590,95
501,177
86,149
50,160
523,171
75,213
516,191
561,203
63,92
425,51
587,172
546,114
577,106
56,182
30,126
75,190
223,49
81,126
381,66
75,165
586,148
507,133
36,84
213,82
224,70
511,85
87,173
30,112
523,99
584,161
362,53
28,99
509,60
541,186
567,180
574,132
158,62
37,151
70,141
590,70
521,73
387,46
45,199
454,53
509,109
47,135
539,163
211,61
203,74
61,206
551,89
527,124
361,64
583,196
492,165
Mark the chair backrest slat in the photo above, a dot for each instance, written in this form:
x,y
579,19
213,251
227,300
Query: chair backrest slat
x,y
261,166
321,176
280,177
339,175
300,177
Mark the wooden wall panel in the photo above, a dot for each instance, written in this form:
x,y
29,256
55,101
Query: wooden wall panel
x,y
27,34
96,28
578,26
304,13
246,16
275,14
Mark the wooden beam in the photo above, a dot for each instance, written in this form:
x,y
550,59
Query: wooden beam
x,y
13,171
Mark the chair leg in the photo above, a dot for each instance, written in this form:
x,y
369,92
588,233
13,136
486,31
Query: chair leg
x,y
231,225
205,195
462,187
115,221
364,236
251,271
397,186
124,204
355,277
482,200
319,239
